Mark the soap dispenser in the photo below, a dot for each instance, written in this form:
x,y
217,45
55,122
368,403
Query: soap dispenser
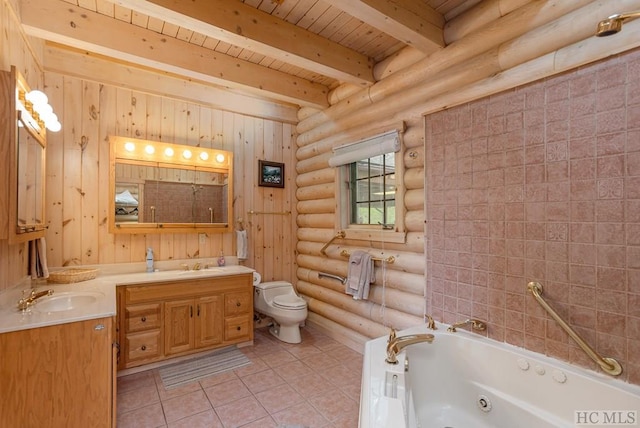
x,y
221,260
149,260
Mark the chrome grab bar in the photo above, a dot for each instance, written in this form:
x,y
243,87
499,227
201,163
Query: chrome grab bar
x,y
340,234
608,365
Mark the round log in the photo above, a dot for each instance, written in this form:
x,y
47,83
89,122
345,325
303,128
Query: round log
x,y
414,157
314,220
513,25
398,61
350,338
316,235
305,112
413,200
478,16
342,92
414,178
313,164
414,221
354,322
321,176
414,136
319,191
317,206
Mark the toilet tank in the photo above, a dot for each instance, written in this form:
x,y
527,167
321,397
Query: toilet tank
x,y
274,288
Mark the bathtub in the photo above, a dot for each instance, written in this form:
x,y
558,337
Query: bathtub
x,y
463,380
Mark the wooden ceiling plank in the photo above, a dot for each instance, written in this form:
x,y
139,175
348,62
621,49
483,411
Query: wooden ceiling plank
x,y
155,24
244,26
80,28
105,7
410,21
140,19
96,68
123,13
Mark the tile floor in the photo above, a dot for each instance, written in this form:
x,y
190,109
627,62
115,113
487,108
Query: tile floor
x,y
312,384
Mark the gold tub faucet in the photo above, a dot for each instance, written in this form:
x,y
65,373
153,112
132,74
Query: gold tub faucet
x,y
474,323
395,345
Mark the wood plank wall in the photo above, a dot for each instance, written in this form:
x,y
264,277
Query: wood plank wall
x,y
505,52
77,176
26,54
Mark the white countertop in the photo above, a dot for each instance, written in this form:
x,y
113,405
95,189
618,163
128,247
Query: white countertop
x,y
103,288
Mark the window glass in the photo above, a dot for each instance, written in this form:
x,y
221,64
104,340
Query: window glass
x,y
373,191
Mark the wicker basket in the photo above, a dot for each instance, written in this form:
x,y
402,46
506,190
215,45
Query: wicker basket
x,y
69,276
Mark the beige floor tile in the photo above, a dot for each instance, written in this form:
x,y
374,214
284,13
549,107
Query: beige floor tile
x,y
185,405
226,392
266,422
262,381
147,417
293,370
218,379
311,385
333,404
207,419
241,412
278,358
135,381
320,362
137,398
279,398
166,393
303,414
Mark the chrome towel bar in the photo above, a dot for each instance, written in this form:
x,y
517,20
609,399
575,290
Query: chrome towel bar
x,y
608,365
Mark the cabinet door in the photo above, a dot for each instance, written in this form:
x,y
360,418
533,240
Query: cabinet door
x,y
179,334
209,321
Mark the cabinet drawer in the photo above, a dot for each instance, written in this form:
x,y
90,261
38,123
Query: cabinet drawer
x,y
237,303
143,346
143,317
236,328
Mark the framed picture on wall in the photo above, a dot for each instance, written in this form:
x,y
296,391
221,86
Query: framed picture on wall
x,y
271,174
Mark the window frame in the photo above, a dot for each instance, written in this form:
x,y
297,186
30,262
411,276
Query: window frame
x,y
367,232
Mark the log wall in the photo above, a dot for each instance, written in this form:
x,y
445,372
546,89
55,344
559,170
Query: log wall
x,y
525,42
26,54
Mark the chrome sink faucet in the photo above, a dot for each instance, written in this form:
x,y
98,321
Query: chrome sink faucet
x,y
474,323
395,345
25,302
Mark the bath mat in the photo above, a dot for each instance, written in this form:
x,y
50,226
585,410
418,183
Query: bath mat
x,y
201,367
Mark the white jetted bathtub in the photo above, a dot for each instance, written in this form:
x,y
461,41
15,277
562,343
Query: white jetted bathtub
x,y
464,380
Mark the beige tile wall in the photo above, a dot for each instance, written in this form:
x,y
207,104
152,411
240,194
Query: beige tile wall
x,y
542,183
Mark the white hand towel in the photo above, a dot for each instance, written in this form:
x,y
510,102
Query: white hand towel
x,y
241,243
360,275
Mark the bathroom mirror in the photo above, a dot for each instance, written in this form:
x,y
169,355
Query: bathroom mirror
x,y
162,187
30,178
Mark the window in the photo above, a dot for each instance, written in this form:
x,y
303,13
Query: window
x,y
369,188
373,191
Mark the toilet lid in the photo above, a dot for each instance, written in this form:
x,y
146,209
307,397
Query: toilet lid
x,y
289,301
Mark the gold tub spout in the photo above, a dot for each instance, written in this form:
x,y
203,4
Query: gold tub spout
x,y
395,345
475,325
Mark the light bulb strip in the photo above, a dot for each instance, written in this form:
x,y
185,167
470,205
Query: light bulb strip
x,y
155,151
41,112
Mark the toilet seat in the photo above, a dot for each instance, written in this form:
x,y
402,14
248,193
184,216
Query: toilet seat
x,y
289,301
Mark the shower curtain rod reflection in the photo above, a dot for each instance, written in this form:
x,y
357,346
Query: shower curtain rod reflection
x,y
252,212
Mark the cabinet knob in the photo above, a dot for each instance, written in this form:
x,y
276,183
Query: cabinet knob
x,y
238,328
238,304
143,319
143,347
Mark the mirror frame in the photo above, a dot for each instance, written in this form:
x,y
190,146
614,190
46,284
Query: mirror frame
x,y
139,156
15,87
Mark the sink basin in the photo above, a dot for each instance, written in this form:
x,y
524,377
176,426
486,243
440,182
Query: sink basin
x,y
66,301
207,271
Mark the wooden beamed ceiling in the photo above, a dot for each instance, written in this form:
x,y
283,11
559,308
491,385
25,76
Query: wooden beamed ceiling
x,y
293,51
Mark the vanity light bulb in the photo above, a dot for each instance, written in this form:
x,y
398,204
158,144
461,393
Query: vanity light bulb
x,y
129,146
186,154
204,156
150,149
220,157
168,151
37,98
54,126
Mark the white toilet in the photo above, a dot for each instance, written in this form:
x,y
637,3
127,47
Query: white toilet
x,y
279,301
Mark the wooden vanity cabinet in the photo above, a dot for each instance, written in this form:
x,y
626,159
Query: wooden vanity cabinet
x,y
59,376
167,319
